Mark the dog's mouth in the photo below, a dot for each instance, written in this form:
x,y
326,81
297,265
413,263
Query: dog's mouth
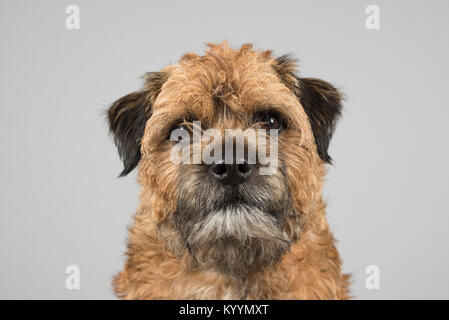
x,y
235,235
236,239
233,229
244,199
231,200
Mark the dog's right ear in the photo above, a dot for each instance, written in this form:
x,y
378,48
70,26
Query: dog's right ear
x,y
128,117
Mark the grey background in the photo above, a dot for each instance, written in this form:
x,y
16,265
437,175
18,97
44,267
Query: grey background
x,y
60,201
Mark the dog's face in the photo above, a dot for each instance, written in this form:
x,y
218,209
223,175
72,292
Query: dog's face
x,y
226,215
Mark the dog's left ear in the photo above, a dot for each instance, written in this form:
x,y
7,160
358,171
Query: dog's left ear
x,y
321,102
128,117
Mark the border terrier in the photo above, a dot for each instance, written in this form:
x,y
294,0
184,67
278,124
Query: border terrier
x,y
221,229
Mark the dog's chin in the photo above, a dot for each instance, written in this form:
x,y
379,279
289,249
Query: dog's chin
x,y
236,239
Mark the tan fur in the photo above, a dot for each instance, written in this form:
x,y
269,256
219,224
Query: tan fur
x,y
158,265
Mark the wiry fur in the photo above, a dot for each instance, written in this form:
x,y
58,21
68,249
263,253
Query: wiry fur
x,y
195,239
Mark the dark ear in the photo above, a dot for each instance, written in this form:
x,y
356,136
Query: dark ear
x,y
322,103
320,100
128,117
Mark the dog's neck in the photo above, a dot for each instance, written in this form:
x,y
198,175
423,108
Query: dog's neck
x,y
154,270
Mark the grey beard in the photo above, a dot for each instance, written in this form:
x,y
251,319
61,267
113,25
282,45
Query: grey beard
x,y
236,240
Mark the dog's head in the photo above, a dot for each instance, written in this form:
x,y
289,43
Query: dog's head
x,y
227,213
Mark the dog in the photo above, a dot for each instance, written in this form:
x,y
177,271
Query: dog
x,y
222,230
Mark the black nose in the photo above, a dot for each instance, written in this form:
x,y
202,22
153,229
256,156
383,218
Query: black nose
x,y
232,173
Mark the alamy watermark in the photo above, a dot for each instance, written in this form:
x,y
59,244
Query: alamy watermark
x,y
72,282
372,21
72,20
372,282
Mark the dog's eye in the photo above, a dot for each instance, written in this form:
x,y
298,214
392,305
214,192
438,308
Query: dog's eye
x,y
183,127
179,130
270,120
